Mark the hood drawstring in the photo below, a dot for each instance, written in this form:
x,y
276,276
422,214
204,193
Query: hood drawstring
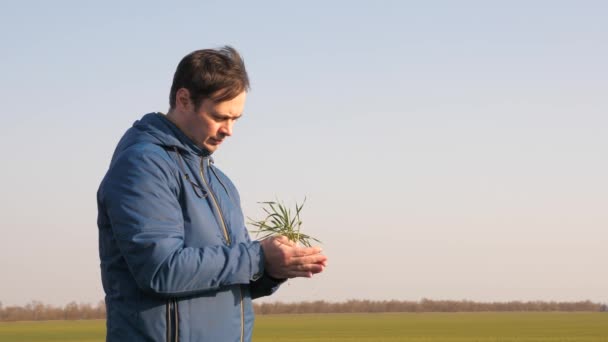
x,y
198,190
217,177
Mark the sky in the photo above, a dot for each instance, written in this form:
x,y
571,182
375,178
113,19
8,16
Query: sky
x,y
447,150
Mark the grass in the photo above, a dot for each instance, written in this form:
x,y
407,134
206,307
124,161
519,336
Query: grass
x,y
51,331
411,327
435,327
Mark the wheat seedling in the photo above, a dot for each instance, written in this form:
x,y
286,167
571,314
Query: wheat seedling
x,y
279,220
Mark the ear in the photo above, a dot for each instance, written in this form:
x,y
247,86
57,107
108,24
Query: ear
x,y
182,99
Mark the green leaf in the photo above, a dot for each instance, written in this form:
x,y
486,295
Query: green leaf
x,y
280,221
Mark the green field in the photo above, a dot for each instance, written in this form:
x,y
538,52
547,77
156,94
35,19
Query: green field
x,y
421,327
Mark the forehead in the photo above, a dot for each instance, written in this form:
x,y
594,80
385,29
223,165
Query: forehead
x,y
233,107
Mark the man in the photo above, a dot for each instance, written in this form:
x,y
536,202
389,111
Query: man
x,y
177,263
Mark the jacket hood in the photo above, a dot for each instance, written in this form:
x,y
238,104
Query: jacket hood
x,y
155,128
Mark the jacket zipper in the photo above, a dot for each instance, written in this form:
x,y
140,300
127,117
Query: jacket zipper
x,y
226,236
172,321
216,206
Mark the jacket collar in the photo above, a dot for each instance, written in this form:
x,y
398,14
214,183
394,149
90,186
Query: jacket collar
x,y
185,143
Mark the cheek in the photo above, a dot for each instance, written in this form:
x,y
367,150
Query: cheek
x,y
210,128
216,127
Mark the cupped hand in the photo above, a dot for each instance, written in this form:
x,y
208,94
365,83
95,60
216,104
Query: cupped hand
x,y
285,259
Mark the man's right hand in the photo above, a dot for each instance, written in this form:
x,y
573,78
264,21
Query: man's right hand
x,y
284,259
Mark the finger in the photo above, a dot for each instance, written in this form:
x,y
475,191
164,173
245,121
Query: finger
x,y
310,259
303,270
306,274
304,251
280,238
299,274
313,268
316,268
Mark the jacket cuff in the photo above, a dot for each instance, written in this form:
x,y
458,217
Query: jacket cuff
x,y
265,286
273,279
256,254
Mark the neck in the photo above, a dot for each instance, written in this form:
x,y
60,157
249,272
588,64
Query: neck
x,y
178,120
173,118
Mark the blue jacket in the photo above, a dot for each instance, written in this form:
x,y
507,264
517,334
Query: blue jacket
x,y
177,263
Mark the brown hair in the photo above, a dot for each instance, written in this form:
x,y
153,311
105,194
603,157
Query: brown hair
x,y
216,74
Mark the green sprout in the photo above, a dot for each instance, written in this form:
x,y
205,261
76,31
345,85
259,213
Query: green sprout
x,y
280,221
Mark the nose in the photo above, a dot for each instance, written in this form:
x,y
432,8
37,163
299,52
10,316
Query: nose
x,y
226,128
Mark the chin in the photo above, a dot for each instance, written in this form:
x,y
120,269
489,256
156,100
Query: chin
x,y
210,148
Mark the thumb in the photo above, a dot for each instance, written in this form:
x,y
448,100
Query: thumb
x,y
282,239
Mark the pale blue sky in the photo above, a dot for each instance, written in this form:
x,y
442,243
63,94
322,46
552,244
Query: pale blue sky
x,y
448,150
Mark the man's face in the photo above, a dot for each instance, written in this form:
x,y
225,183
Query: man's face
x,y
213,121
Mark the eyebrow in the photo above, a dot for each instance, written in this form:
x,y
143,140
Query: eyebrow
x,y
226,116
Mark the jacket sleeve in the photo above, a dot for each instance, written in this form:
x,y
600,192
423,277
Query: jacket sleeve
x,y
264,286
260,286
140,196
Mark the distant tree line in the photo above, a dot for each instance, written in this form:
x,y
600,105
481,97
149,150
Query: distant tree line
x,y
37,311
425,305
